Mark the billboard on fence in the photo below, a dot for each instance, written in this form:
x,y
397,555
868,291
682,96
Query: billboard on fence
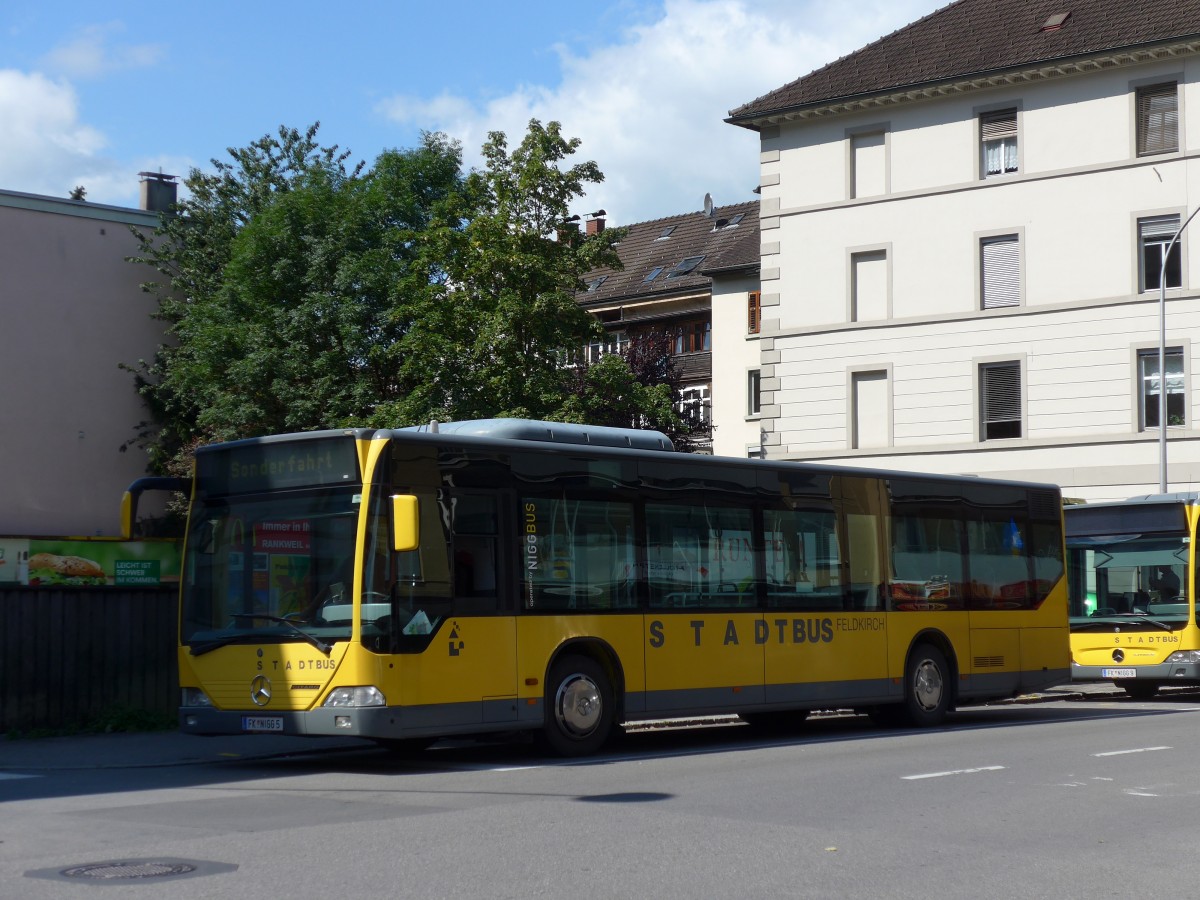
x,y
66,562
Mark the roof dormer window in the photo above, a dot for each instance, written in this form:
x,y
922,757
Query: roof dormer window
x,y
685,266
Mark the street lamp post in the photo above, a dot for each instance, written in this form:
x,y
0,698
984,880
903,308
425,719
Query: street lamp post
x,y
1162,354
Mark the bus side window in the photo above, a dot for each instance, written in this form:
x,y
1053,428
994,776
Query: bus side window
x,y
475,535
700,555
577,553
803,560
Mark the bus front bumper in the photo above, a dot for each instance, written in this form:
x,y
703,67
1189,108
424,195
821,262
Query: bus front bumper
x,y
1163,673
365,722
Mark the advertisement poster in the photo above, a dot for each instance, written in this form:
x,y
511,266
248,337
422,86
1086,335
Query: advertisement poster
x,y
52,562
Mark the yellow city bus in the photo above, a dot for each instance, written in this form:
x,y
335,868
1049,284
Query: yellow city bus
x,y
1132,573
508,575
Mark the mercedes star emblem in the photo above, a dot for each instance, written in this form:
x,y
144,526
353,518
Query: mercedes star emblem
x,y
260,690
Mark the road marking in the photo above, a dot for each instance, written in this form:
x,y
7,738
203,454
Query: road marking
x,y
952,772
1138,750
14,775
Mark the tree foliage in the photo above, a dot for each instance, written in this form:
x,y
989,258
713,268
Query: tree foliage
x,y
300,292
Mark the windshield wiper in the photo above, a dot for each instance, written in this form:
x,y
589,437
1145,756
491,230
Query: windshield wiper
x,y
312,639
209,646
1090,624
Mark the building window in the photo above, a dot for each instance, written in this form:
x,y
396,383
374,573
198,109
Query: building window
x,y
753,312
1150,388
612,342
685,266
754,392
999,400
695,406
693,337
868,286
1158,118
998,141
1000,271
868,164
869,417
1154,234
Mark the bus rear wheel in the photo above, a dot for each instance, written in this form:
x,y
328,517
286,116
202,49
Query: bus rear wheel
x,y
926,686
579,707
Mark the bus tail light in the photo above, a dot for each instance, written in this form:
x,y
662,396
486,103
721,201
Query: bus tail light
x,y
355,696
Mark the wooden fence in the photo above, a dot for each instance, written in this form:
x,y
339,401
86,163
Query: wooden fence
x,y
69,657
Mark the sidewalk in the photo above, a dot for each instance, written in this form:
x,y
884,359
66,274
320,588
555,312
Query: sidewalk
x,y
170,748
157,748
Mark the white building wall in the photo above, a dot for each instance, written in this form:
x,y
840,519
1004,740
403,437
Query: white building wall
x,y
1074,204
734,430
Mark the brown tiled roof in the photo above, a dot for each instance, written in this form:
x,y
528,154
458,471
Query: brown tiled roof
x,y
721,244
976,37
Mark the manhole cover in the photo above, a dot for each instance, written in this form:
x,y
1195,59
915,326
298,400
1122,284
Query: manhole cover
x,y
129,870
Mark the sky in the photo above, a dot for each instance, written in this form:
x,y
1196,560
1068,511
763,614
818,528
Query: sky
x,y
92,93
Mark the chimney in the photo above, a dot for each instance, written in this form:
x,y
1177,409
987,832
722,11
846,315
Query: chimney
x,y
158,191
595,222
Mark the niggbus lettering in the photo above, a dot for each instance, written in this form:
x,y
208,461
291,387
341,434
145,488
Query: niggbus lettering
x,y
531,548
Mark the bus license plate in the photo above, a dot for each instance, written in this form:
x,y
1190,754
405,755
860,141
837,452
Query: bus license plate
x,y
262,723
1118,673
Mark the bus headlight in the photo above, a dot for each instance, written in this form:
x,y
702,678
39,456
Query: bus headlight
x,y
194,697
1185,656
355,696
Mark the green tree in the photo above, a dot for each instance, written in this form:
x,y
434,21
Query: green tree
x,y
300,293
289,282
504,329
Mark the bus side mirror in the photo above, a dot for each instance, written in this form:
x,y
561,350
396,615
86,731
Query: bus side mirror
x,y
406,530
129,502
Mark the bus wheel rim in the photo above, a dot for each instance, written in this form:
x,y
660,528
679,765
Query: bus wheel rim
x,y
578,706
927,685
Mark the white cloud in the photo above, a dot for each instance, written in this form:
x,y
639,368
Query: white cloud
x,y
44,148
650,108
93,52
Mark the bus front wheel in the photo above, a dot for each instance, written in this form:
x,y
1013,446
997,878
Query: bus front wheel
x,y
926,686
579,706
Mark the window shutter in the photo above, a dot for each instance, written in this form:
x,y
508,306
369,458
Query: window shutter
x,y
1158,118
1000,400
996,125
1159,227
754,312
1001,271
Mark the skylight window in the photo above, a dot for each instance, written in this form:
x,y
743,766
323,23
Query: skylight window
x,y
685,266
666,233
594,284
1056,21
654,273
722,224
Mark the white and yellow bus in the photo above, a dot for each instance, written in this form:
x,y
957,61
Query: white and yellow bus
x,y
1132,573
516,575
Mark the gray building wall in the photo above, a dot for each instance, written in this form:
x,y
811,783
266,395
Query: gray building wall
x,y
71,312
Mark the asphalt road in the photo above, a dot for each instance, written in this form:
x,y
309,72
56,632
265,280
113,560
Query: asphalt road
x,y
1090,797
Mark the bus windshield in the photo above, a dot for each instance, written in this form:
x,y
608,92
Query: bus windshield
x,y
271,568
1130,576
